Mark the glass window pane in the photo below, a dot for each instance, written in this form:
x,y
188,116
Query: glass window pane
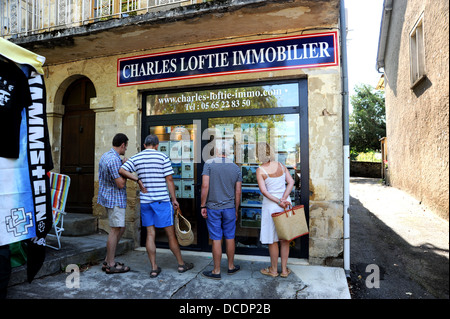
x,y
244,133
225,99
178,142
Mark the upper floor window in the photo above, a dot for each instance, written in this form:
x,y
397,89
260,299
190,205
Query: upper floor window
x,y
108,7
417,52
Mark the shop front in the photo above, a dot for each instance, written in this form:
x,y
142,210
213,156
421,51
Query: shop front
x,y
189,119
244,71
187,123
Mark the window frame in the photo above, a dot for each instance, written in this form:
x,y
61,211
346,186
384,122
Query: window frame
x,y
417,52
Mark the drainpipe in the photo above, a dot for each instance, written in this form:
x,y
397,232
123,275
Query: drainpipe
x,y
384,29
346,143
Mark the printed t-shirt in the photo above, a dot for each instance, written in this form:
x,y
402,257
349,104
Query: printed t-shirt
x,y
14,97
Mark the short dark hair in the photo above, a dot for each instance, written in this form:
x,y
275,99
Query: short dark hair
x,y
151,140
119,139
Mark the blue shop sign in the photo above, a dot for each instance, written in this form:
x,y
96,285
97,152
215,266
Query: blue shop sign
x,y
293,52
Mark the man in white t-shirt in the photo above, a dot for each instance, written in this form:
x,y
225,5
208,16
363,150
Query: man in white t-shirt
x,y
155,171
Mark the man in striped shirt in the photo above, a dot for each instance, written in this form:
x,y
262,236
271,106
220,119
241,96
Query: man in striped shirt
x,y
155,171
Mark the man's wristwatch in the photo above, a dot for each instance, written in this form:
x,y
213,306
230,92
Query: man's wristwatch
x,y
201,207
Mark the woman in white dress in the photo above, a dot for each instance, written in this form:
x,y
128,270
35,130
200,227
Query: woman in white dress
x,y
276,185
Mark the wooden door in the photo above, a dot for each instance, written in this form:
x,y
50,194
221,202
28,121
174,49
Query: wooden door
x,y
77,147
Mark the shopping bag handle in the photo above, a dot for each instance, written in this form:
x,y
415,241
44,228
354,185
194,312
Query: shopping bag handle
x,y
290,209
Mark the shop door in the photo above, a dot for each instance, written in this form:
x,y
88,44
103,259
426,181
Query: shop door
x,y
243,134
274,112
77,147
180,141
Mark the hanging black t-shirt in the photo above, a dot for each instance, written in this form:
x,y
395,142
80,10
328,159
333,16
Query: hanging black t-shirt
x,y
14,97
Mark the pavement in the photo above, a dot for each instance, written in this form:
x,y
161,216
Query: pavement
x,y
399,250
305,281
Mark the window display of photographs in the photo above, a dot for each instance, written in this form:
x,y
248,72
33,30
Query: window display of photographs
x,y
187,188
187,169
251,217
177,183
187,151
249,174
224,130
175,150
228,144
164,147
247,154
177,171
251,196
251,131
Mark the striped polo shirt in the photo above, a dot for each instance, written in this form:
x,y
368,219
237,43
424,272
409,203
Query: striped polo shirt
x,y
152,167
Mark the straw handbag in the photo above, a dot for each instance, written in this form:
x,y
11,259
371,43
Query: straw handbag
x,y
183,230
291,223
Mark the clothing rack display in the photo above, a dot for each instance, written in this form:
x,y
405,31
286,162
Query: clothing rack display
x,y
25,203
20,55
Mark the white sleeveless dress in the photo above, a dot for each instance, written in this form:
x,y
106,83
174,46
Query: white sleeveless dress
x,y
276,187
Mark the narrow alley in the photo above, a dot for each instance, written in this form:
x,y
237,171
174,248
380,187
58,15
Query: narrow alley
x,y
398,241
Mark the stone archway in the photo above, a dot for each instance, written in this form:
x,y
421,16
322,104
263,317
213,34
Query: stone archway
x,y
73,135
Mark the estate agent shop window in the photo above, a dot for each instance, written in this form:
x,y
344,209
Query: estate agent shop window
x,y
187,124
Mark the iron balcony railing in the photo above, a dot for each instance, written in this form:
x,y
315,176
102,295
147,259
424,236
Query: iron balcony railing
x,y
27,17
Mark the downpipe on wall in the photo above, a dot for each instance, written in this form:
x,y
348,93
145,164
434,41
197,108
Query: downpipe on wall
x,y
345,129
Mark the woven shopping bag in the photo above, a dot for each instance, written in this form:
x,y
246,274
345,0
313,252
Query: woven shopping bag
x,y
183,230
291,223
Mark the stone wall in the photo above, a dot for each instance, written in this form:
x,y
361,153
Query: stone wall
x,y
325,168
417,118
365,169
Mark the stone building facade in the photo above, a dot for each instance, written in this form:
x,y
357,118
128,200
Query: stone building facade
x,y
413,52
84,81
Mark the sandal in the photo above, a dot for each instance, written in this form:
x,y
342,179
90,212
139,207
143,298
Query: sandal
x,y
266,271
115,270
155,273
185,267
105,265
285,275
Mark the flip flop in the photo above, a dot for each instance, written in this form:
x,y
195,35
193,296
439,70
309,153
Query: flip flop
x,y
286,275
155,272
266,271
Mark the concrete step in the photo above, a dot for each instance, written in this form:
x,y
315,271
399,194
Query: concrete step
x,y
79,225
74,250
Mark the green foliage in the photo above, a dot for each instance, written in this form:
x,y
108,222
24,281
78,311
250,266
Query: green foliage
x,y
368,119
353,154
371,156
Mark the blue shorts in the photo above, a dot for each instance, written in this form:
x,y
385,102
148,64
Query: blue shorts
x,y
158,214
221,223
